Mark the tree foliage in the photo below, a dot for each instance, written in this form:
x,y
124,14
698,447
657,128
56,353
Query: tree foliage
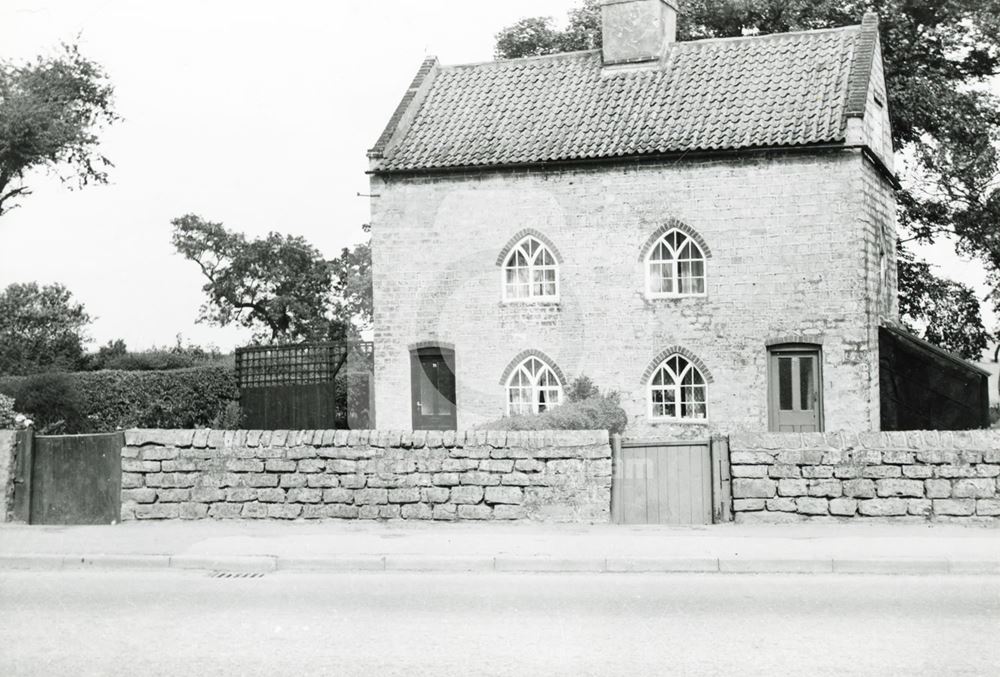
x,y
948,311
352,307
41,329
51,111
939,56
279,285
536,36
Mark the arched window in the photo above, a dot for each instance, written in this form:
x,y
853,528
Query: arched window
x,y
675,266
532,388
677,390
530,272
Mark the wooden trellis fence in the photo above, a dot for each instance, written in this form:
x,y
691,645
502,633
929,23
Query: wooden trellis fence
x,y
306,386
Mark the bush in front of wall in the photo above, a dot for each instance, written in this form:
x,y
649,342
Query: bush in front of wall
x,y
178,398
585,408
102,401
53,401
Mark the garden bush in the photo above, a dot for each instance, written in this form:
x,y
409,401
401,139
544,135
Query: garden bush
x,y
7,412
52,400
109,400
179,398
586,408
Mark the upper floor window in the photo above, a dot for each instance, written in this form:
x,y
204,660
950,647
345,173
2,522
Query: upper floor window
x,y
675,266
677,390
530,272
533,387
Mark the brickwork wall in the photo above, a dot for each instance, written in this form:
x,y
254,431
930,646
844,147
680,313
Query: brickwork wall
x,y
562,476
781,477
791,239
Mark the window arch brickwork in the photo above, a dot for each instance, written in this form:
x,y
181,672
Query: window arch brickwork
x,y
675,350
525,354
520,235
674,224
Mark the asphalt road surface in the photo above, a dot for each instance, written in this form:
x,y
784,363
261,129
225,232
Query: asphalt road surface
x,y
189,623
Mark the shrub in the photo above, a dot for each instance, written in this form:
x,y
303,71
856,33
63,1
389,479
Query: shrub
x,y
7,412
995,416
180,398
108,400
229,418
594,411
582,388
54,401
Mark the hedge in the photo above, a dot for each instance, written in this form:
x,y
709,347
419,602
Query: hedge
x,y
110,400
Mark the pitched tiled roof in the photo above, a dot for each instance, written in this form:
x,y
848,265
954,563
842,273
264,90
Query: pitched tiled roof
x,y
785,89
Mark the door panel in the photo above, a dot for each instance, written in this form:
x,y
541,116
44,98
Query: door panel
x,y
76,479
668,483
433,389
795,398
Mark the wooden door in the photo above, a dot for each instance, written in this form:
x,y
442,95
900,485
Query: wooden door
x,y
432,373
662,482
76,479
795,391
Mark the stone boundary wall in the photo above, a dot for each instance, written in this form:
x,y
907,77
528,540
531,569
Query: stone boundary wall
x,y
917,475
560,476
8,443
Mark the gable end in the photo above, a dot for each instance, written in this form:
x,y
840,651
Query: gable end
x,y
861,68
407,108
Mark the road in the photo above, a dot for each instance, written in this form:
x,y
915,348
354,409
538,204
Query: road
x,y
176,623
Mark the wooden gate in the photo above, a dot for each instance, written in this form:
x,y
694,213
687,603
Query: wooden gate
x,y
69,479
670,481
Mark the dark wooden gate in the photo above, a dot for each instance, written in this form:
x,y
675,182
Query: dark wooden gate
x,y
75,479
308,386
670,481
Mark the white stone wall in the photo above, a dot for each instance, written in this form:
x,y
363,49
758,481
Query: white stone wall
x,y
792,241
8,441
558,476
917,475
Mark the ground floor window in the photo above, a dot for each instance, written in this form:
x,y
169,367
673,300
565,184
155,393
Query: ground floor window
x,y
677,390
533,387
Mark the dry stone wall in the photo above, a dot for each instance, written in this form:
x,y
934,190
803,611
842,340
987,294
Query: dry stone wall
x,y
8,440
366,474
918,475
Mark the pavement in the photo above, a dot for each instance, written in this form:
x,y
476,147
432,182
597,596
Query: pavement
x,y
347,547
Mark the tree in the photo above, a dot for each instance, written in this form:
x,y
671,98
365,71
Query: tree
x,y
279,285
41,329
535,36
50,113
949,311
352,274
939,56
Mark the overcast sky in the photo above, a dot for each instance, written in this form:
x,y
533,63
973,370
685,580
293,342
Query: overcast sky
x,y
251,113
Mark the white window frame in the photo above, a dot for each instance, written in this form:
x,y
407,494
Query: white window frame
x,y
676,387
648,264
532,267
533,386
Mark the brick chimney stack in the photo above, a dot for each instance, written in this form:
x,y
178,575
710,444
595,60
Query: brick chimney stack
x,y
635,31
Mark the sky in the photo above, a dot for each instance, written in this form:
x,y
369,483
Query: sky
x,y
255,114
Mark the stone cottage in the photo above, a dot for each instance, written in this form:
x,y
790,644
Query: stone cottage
x,y
707,227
